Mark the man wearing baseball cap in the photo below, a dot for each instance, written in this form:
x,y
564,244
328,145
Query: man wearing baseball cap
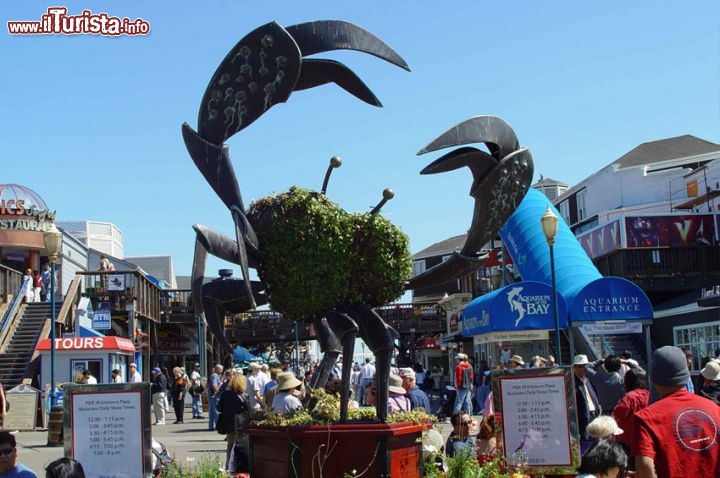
x,y
463,383
418,398
679,434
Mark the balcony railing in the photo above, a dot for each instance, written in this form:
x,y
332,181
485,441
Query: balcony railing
x,y
661,262
124,288
270,326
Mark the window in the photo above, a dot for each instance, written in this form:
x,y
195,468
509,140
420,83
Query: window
x,y
580,200
702,339
565,211
418,267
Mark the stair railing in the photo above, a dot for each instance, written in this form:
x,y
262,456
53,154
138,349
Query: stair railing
x,y
10,313
10,280
67,312
589,345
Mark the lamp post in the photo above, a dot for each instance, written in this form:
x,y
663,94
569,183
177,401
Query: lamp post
x,y
53,240
549,223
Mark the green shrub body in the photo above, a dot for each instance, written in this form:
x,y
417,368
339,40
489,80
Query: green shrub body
x,y
315,257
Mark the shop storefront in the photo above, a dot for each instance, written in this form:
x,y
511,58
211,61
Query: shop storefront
x,y
99,355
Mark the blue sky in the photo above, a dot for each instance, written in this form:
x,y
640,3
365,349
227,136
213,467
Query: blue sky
x,y
93,123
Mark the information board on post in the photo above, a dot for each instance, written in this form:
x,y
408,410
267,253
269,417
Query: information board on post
x,y
23,401
109,424
536,419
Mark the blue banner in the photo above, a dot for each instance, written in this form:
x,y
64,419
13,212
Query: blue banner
x,y
519,306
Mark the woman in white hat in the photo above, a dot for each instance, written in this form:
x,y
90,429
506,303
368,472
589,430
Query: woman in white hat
x,y
397,399
711,384
285,401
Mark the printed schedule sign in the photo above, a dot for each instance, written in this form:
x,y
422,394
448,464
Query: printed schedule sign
x,y
537,417
107,428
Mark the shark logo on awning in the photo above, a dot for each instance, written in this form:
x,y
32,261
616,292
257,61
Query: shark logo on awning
x,y
526,305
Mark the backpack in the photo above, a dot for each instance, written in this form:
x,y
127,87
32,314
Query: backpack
x,y
467,378
197,387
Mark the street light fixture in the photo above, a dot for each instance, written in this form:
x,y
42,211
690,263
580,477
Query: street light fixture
x,y
549,223
53,239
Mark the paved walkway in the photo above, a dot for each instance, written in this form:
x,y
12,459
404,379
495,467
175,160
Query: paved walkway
x,y
186,442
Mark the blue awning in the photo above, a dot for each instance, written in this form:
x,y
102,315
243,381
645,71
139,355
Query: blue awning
x,y
589,295
609,298
88,332
519,306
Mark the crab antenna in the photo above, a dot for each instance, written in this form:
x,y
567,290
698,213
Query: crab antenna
x,y
388,194
335,162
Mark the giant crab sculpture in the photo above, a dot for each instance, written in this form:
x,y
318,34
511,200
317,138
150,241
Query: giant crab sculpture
x,y
339,292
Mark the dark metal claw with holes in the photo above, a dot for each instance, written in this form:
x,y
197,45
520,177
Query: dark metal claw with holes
x,y
501,179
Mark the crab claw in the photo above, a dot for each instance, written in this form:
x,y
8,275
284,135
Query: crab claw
x,y
267,65
500,181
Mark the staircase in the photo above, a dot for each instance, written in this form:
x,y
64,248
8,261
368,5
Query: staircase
x,y
21,345
620,343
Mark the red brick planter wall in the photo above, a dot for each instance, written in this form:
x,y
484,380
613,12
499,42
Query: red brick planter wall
x,y
383,449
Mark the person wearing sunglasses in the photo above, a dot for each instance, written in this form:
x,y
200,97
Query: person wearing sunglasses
x,y
9,467
460,440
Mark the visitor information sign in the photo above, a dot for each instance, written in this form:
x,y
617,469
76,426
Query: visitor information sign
x,y
109,424
536,420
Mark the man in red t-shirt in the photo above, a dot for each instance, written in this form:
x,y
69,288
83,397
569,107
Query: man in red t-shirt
x,y
677,436
464,378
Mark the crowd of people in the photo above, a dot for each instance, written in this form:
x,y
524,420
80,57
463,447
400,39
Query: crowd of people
x,y
36,285
671,431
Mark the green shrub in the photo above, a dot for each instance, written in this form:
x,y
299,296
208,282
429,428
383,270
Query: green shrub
x,y
315,257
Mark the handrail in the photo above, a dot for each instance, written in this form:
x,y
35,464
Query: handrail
x,y
71,299
9,280
13,306
10,313
588,343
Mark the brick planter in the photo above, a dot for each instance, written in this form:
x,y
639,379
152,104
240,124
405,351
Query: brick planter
x,y
382,449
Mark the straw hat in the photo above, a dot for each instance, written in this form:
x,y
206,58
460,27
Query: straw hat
x,y
395,383
287,381
517,359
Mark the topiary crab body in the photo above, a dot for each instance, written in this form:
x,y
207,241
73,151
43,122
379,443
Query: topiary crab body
x,y
316,257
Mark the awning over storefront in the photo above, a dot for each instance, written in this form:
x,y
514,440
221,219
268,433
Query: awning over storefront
x,y
518,307
88,343
589,295
606,299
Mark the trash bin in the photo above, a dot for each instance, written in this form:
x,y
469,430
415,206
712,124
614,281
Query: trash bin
x,y
55,426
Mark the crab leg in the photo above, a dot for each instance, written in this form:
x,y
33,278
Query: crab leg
x,y
213,161
380,338
330,347
346,329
